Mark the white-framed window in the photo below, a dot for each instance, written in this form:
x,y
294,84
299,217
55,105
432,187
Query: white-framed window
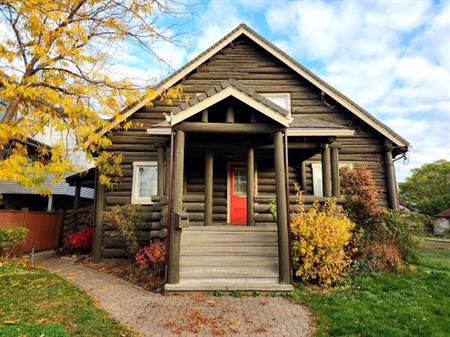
x,y
282,99
317,176
145,182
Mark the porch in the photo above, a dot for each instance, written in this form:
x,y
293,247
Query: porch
x,y
227,173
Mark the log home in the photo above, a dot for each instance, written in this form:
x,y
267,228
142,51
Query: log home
x,y
210,169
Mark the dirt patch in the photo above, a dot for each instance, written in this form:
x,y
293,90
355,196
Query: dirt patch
x,y
434,244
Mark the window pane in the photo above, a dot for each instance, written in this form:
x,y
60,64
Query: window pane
x,y
281,100
147,181
240,181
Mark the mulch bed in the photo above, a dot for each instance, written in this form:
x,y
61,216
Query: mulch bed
x,y
129,271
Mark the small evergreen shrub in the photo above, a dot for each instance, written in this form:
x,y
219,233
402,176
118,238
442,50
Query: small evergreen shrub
x,y
10,239
319,238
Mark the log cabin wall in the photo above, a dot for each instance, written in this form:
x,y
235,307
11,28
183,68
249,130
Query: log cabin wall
x,y
253,67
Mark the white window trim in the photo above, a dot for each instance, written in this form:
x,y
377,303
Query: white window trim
x,y
317,176
278,94
135,199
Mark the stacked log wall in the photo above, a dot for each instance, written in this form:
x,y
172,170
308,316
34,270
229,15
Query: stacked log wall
x,y
74,220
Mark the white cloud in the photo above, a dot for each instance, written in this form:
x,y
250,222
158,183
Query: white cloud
x,y
216,20
392,57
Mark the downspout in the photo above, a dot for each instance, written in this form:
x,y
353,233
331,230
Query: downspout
x,y
286,165
169,204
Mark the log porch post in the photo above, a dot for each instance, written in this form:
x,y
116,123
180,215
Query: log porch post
x,y
326,170
209,181
282,216
229,116
160,171
303,177
250,186
390,177
76,204
177,205
97,240
167,170
76,200
335,183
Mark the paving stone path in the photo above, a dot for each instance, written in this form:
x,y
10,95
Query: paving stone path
x,y
186,315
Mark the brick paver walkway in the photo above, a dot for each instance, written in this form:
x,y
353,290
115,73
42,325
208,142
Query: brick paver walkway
x,y
157,315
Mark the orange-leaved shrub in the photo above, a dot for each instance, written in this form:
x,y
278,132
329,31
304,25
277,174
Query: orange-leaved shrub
x,y
361,197
319,238
387,237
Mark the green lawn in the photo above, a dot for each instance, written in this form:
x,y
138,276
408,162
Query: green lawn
x,y
38,303
410,304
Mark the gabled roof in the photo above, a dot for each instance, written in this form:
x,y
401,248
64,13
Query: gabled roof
x,y
224,90
283,57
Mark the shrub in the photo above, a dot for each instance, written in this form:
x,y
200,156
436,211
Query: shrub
x,y
361,198
152,256
10,238
382,256
126,218
319,238
81,239
402,228
390,230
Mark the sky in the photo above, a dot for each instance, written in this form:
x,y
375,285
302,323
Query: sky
x,y
391,57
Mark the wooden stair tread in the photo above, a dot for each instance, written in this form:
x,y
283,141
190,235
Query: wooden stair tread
x,y
229,286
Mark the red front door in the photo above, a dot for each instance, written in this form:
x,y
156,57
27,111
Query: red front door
x,y
238,194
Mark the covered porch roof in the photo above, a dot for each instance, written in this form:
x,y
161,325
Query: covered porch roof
x,y
229,88
297,125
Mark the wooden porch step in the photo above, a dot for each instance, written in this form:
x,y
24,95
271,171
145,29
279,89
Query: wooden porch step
x,y
230,228
257,261
224,252
228,285
228,272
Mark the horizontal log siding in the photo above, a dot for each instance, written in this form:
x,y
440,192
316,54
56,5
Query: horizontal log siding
x,y
254,68
74,220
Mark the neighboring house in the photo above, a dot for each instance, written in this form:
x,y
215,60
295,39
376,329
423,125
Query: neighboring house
x,y
442,223
229,164
14,196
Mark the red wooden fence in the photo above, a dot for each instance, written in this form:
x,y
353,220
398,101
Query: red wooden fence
x,y
45,228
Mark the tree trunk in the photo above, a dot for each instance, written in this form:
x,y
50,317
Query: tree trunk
x,y
11,110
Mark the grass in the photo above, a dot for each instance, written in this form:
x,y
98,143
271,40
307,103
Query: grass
x,y
416,303
37,303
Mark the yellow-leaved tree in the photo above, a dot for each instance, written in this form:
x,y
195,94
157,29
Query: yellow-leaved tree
x,y
54,76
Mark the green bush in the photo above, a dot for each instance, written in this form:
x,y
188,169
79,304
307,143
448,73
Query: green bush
x,y
126,219
10,238
402,228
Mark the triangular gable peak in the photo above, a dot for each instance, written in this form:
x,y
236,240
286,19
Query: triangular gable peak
x,y
224,90
283,57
